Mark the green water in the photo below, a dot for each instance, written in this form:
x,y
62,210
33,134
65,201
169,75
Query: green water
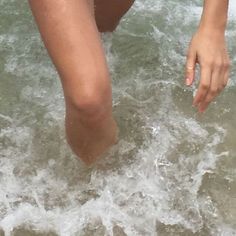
x,y
173,170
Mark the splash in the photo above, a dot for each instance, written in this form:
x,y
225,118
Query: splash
x,y
172,171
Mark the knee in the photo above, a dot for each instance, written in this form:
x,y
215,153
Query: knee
x,y
108,13
92,102
105,28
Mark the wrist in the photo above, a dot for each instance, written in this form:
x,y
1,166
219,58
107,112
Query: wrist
x,y
213,23
210,30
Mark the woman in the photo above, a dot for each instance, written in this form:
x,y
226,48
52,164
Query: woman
x,y
70,31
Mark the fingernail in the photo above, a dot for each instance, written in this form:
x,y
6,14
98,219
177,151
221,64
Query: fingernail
x,y
188,81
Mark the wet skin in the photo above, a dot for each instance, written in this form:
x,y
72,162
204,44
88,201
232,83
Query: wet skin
x,y
75,48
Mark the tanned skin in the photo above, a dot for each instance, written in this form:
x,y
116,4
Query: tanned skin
x,y
70,31
208,48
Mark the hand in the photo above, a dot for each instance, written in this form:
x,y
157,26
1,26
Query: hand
x,y
208,48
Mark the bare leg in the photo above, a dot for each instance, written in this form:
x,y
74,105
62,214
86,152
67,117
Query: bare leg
x,y
109,12
69,31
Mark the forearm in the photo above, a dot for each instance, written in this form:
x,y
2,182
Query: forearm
x,y
214,16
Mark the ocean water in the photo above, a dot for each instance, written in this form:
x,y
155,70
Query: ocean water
x,y
173,171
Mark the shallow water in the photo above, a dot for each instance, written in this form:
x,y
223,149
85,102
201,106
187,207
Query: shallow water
x,y
173,171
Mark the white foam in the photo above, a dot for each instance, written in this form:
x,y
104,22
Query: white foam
x,y
153,178
232,9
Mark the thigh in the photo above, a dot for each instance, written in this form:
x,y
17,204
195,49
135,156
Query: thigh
x,y
71,37
109,12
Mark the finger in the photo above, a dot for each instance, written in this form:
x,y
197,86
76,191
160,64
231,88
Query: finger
x,y
213,90
226,78
203,86
226,74
190,68
222,80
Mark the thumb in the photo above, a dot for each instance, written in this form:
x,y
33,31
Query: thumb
x,y
190,67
